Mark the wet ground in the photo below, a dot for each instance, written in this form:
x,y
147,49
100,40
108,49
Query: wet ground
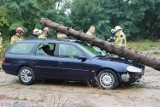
x,y
75,94
144,93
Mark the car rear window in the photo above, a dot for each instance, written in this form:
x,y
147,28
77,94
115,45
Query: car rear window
x,y
22,48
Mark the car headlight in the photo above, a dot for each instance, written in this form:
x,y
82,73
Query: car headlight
x,y
133,69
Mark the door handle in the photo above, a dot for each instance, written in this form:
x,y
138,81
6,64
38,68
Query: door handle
x,y
60,62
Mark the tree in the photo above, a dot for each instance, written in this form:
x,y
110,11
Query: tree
x,y
111,48
26,13
86,13
3,15
138,18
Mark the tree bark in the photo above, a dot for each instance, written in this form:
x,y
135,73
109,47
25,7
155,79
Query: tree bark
x,y
104,45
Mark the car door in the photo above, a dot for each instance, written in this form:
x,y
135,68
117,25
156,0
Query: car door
x,y
45,62
73,63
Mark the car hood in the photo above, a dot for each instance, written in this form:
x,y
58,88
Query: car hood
x,y
119,64
120,60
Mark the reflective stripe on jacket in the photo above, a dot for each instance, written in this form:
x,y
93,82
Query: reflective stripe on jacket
x,y
121,38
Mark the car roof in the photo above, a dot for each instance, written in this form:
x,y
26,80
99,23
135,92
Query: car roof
x,y
52,40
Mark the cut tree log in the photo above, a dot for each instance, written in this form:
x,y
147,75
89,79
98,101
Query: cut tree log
x,y
104,45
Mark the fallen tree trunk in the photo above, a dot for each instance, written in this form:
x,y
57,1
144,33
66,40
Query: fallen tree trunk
x,y
104,45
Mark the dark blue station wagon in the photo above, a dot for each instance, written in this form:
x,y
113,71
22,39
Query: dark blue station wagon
x,y
68,59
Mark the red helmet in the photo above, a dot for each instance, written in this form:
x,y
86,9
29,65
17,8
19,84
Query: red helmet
x,y
19,30
46,29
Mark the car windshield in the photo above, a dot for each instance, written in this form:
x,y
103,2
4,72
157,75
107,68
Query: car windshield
x,y
92,50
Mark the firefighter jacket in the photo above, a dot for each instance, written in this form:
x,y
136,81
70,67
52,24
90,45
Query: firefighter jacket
x,y
15,38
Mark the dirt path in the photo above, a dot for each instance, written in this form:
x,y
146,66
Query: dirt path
x,y
52,94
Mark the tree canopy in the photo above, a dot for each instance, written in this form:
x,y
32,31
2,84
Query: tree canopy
x,y
139,18
27,14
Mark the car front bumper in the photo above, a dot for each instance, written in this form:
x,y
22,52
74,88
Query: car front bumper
x,y
131,77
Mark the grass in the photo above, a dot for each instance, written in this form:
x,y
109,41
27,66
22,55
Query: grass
x,y
138,86
143,45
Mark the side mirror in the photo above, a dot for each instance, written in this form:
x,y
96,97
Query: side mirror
x,y
82,58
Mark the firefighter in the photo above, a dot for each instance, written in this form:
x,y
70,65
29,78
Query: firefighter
x,y
40,32
61,35
18,36
45,33
91,31
35,34
120,36
112,38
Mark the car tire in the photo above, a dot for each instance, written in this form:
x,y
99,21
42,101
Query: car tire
x,y
107,79
26,76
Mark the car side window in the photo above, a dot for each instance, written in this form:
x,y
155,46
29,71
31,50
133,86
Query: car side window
x,y
22,48
46,49
70,51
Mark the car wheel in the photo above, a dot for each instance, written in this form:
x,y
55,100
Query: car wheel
x,y
26,75
107,79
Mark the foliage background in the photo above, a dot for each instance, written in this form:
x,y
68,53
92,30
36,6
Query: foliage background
x,y
140,19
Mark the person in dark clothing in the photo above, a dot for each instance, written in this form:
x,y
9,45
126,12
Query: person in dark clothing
x,y
35,34
112,38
